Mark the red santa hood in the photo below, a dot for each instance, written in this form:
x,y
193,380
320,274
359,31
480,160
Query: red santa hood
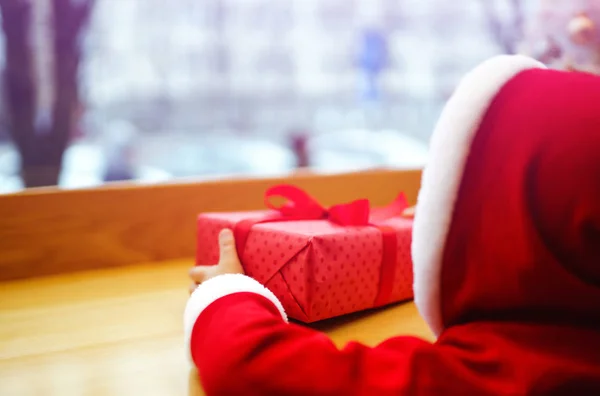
x,y
507,222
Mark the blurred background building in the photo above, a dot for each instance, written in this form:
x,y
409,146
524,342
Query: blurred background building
x,y
213,88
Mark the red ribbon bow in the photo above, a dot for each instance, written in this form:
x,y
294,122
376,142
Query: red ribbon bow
x,y
300,205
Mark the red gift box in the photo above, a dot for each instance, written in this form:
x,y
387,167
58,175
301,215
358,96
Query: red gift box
x,y
319,262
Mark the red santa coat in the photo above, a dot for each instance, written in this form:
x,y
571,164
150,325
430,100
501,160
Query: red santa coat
x,y
506,251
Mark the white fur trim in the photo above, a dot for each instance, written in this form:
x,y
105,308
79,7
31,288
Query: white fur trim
x,y
449,148
216,288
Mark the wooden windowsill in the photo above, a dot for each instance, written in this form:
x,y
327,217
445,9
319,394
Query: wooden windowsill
x,y
49,231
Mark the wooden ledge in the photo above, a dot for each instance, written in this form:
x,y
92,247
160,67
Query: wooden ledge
x,y
49,231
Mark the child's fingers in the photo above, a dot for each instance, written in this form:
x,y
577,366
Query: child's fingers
x,y
229,263
227,250
200,274
409,212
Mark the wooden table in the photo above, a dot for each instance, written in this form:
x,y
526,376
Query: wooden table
x,y
119,332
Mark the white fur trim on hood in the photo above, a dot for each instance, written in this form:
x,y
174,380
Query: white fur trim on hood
x,y
449,149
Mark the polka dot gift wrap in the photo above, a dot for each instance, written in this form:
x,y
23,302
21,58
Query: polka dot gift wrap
x,y
317,269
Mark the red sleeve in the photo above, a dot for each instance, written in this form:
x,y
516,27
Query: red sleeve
x,y
242,344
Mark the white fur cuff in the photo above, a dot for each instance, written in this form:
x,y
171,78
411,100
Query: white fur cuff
x,y
216,288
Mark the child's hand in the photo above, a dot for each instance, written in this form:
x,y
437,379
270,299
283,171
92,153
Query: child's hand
x,y
229,262
409,212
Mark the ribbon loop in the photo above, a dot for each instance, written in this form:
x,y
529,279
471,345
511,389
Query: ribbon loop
x,y
299,204
396,208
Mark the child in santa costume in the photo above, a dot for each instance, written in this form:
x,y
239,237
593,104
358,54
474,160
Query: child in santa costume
x,y
506,252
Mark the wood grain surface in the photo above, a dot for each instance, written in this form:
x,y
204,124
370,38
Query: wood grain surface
x,y
119,332
49,231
